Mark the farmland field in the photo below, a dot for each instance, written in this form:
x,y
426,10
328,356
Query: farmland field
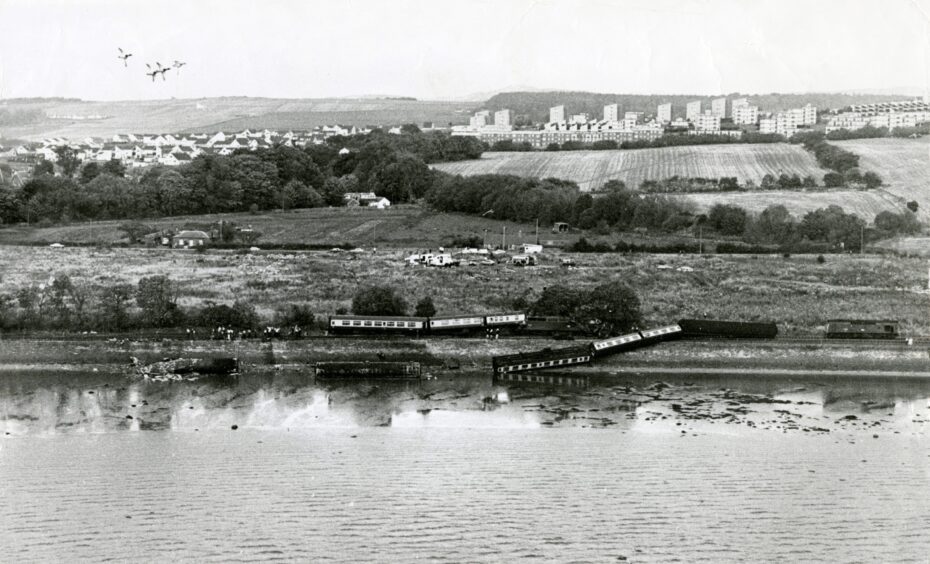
x,y
591,169
865,204
904,165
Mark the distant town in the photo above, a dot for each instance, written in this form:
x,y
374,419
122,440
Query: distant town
x,y
727,117
735,118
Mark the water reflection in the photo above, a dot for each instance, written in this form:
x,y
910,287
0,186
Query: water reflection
x,y
48,403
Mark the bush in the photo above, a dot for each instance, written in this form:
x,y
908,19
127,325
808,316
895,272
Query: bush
x,y
425,307
299,315
241,315
379,300
820,259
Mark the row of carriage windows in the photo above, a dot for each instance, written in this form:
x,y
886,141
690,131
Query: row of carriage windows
x,y
549,363
360,323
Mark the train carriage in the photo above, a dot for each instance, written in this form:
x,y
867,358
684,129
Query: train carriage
x,y
505,319
456,323
376,324
861,329
613,345
660,334
537,360
715,328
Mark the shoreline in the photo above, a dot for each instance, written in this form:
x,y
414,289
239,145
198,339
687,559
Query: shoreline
x,y
450,356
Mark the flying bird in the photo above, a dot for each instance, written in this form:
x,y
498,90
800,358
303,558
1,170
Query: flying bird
x,y
124,56
178,65
162,70
151,72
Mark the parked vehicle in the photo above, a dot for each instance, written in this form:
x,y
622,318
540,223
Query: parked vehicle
x,y
523,260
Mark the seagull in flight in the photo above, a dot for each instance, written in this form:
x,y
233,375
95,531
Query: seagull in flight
x,y
151,72
178,65
124,56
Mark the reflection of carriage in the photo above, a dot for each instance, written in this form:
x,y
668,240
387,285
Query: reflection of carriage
x,y
186,368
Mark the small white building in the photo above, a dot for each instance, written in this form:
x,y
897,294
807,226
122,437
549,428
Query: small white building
x,y
531,249
189,239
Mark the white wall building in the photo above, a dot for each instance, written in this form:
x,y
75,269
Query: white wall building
x,y
707,122
693,110
664,113
557,114
611,113
503,117
718,107
745,115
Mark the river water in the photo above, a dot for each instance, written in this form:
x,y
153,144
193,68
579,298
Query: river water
x,y
583,468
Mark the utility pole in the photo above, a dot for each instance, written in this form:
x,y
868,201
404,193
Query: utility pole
x,y
700,239
861,238
504,238
537,230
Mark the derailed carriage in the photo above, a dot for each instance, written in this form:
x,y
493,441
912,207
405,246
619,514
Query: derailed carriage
x,y
545,358
714,328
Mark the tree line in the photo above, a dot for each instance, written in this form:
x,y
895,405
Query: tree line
x,y
666,140
843,163
392,166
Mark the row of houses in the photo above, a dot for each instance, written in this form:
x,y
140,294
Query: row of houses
x,y
136,150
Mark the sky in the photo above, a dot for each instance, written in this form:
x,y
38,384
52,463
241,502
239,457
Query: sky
x,y
457,49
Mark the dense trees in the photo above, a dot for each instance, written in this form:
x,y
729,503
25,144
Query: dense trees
x,y
379,300
608,308
394,166
728,219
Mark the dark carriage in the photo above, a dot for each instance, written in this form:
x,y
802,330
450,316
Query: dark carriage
x,y
714,328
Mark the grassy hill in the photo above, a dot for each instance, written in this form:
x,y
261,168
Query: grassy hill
x,y
35,119
897,161
591,169
865,204
904,165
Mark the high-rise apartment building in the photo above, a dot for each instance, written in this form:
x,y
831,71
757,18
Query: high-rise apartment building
x,y
664,113
693,110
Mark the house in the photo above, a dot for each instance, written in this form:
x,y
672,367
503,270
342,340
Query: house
x,y
380,203
189,239
531,249
560,227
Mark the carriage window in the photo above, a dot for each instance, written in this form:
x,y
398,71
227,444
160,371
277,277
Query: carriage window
x,y
368,324
356,323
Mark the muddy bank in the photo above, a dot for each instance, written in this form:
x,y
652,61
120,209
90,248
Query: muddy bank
x,y
451,355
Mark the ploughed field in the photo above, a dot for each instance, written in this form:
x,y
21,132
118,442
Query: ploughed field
x,y
591,169
904,165
797,293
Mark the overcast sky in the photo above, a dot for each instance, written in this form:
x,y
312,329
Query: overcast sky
x,y
437,49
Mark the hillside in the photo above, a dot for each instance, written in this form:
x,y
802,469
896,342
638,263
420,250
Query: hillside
x,y
35,119
534,106
865,204
591,169
904,165
398,226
